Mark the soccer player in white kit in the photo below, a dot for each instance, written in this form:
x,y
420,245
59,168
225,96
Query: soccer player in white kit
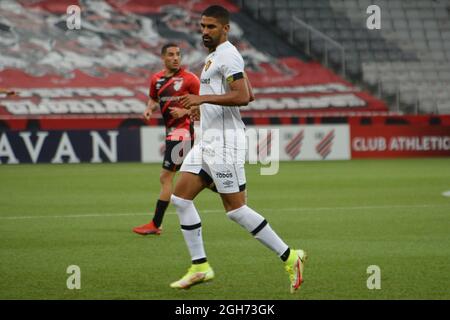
x,y
219,155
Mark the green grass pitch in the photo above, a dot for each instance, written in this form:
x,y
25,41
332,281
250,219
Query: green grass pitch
x,y
348,215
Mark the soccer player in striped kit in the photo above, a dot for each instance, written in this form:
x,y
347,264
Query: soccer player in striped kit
x,y
166,89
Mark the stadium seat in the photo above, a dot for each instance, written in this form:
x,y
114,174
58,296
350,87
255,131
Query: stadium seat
x,y
398,14
440,14
443,107
430,24
433,34
394,4
280,3
416,24
427,106
295,4
435,45
413,31
444,75
408,97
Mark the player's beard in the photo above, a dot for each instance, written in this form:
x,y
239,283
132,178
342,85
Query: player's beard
x,y
211,43
174,70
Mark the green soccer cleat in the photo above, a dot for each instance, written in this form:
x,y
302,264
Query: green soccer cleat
x,y
294,266
197,273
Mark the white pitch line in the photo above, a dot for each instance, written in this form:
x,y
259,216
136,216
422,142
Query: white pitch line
x,y
74,216
312,209
299,209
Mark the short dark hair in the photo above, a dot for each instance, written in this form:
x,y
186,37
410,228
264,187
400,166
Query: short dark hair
x,y
167,45
218,12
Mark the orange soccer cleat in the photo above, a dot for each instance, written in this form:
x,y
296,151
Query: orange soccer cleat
x,y
148,228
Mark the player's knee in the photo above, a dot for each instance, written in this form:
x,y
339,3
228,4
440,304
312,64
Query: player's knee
x,y
180,203
233,206
233,202
166,177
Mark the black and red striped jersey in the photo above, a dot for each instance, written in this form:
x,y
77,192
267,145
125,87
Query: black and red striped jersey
x,y
166,90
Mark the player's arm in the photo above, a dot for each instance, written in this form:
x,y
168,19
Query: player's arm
x,y
193,112
151,107
249,86
152,102
178,112
237,96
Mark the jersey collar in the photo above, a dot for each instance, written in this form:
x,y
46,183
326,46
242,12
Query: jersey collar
x,y
181,69
223,46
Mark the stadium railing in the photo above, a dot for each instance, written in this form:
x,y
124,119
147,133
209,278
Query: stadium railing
x,y
266,9
298,24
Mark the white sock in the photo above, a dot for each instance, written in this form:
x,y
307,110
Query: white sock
x,y
191,226
254,223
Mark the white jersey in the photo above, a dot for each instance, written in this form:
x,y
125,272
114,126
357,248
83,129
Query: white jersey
x,y
221,126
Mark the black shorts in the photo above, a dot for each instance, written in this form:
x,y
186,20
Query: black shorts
x,y
175,153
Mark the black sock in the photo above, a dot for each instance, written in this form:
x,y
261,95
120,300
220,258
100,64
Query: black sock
x,y
285,255
199,261
161,207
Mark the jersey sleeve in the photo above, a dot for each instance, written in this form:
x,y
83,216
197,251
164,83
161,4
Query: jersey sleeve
x,y
194,87
153,93
232,67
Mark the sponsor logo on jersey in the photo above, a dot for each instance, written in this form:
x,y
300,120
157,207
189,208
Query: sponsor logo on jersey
x,y
159,83
208,64
224,175
205,81
165,99
228,183
177,84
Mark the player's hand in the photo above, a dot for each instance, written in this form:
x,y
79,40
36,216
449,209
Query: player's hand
x,y
190,100
151,107
195,113
148,113
178,112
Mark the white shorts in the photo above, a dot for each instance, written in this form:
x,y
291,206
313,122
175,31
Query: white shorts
x,y
223,166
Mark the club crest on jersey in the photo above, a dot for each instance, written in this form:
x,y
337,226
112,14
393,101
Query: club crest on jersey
x,y
177,84
207,65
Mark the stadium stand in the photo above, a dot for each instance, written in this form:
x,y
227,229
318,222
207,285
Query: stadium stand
x,y
99,73
320,77
407,60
